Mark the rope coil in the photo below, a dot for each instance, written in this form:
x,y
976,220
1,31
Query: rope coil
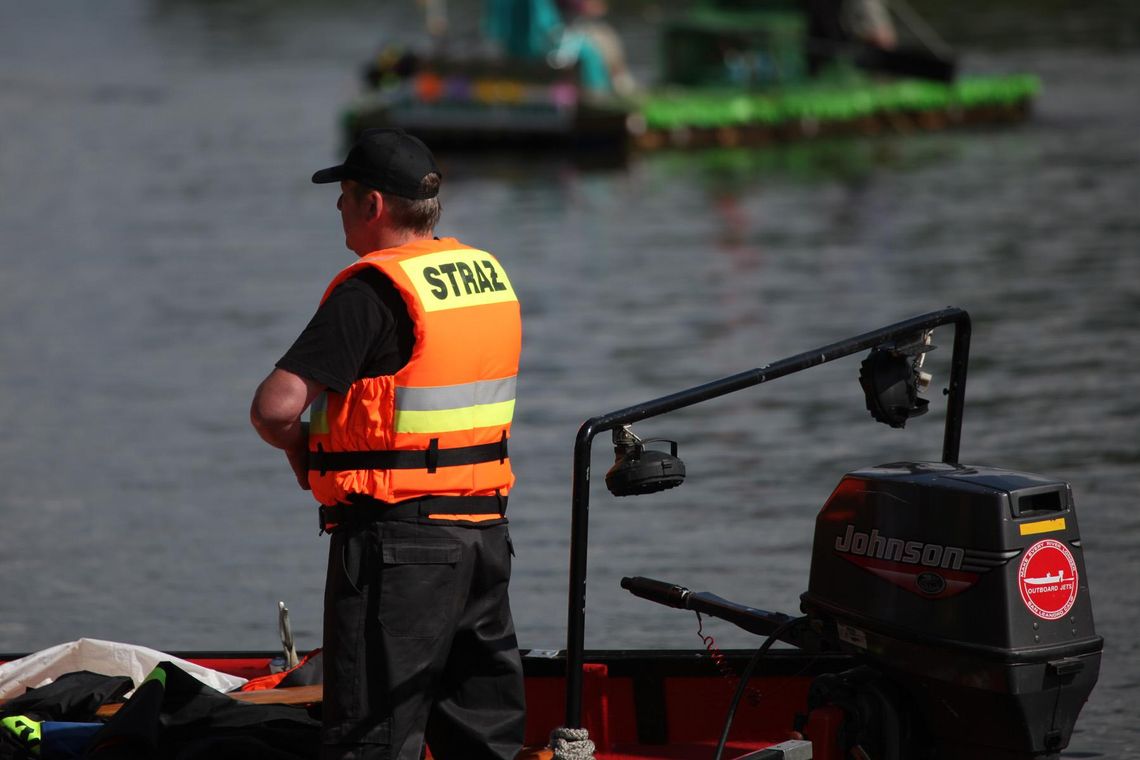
x,y
571,744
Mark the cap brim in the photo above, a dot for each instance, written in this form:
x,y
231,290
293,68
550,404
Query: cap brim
x,y
331,174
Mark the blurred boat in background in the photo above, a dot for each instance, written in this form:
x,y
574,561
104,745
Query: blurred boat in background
x,y
734,72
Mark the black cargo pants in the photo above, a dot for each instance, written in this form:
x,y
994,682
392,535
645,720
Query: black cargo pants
x,y
419,643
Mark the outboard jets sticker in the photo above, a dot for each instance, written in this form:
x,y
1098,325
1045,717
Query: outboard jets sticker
x,y
1048,579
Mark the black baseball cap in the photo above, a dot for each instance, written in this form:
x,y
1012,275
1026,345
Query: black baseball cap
x,y
388,160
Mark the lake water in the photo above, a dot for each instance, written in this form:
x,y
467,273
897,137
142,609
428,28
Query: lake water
x,y
162,246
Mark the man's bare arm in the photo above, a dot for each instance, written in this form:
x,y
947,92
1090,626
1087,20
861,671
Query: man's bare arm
x,y
276,412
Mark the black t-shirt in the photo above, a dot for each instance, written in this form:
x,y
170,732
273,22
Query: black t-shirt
x,y
362,330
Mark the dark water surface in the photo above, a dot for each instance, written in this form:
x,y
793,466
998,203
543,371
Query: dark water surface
x,y
162,246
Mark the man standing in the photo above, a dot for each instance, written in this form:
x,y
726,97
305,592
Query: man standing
x,y
408,368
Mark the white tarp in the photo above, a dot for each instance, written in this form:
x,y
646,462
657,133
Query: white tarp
x,y
107,658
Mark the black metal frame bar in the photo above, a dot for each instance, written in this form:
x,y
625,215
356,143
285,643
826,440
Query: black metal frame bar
x,y
580,497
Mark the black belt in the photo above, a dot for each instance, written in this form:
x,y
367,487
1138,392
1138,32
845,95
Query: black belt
x,y
370,511
431,458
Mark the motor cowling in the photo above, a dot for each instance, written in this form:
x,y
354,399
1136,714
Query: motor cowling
x,y
966,587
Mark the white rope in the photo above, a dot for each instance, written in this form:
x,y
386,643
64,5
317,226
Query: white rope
x,y
571,744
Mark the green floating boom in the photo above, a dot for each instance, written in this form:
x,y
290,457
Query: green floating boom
x,y
732,108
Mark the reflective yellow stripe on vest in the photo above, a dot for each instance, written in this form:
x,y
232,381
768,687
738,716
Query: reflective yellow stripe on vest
x,y
319,415
440,409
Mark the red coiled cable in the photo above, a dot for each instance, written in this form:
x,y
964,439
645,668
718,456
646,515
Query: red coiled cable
x,y
752,694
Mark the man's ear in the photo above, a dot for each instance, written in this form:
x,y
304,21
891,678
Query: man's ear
x,y
375,205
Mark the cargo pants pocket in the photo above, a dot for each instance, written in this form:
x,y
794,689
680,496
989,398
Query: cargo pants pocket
x,y
418,587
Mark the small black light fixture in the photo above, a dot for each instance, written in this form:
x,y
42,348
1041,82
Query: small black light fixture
x,y
892,378
638,470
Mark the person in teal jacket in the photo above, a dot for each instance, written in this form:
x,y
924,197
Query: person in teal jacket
x,y
536,29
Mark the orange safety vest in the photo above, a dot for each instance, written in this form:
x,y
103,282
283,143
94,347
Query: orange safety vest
x,y
439,426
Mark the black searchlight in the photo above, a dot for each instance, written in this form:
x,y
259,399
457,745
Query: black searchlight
x,y
638,470
892,378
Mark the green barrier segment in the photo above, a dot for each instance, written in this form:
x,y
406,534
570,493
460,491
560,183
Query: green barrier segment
x,y
727,108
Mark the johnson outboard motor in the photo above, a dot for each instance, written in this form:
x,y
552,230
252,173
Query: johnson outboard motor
x,y
966,587
960,590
